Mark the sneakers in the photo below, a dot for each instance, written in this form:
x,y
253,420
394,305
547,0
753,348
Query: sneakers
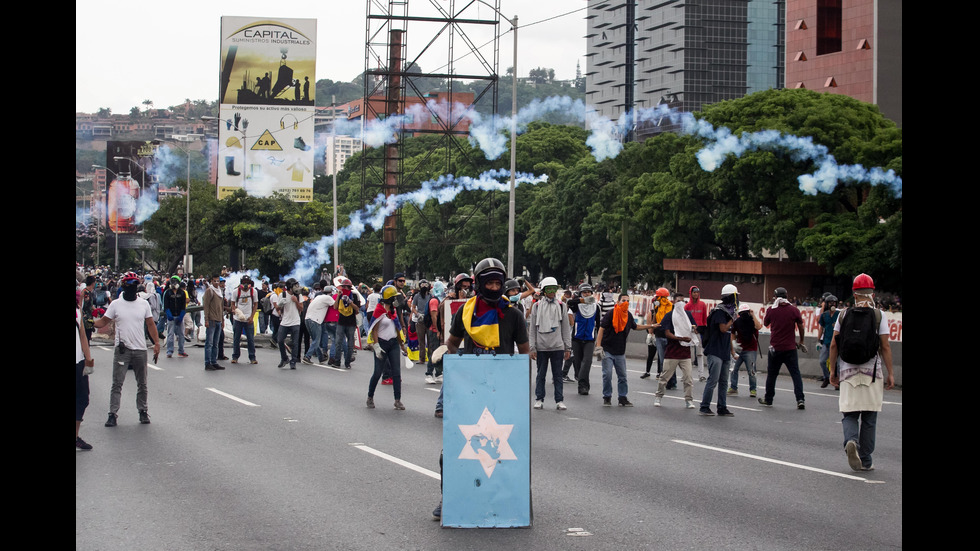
x,y
388,381
81,444
210,367
437,512
765,403
438,414
217,367
438,379
144,418
222,357
733,392
430,380
399,404
702,379
111,422
851,449
567,379
656,402
282,364
606,400
752,393
307,361
645,375
800,404
725,413
234,360
690,404
170,355
184,355
825,383
624,402
370,402
560,406
868,468
253,362
292,365
538,404
706,412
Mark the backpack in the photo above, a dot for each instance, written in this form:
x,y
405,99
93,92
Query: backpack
x,y
858,340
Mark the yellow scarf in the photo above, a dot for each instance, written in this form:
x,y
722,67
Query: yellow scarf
x,y
483,328
664,308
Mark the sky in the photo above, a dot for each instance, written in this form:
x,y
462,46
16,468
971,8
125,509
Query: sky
x,y
125,53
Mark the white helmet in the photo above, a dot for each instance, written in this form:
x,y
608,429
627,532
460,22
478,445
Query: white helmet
x,y
729,290
548,282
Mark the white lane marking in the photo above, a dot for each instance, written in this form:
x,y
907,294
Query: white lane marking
x,y
397,461
235,398
151,366
776,461
433,389
340,369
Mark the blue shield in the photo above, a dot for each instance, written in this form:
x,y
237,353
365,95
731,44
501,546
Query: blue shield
x,y
486,438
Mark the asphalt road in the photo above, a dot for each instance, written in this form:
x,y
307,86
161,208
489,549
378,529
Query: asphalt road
x,y
256,457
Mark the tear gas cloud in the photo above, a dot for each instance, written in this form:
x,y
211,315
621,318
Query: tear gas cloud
x,y
442,189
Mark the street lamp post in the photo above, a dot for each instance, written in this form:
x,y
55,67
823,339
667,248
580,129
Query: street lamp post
x,y
512,208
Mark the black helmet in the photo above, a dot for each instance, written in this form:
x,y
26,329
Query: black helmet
x,y
488,266
511,284
780,292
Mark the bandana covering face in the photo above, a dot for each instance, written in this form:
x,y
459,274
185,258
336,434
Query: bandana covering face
x,y
664,306
481,321
621,315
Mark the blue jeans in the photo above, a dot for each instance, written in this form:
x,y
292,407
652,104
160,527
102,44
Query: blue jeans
x,y
717,377
345,343
328,338
748,358
776,360
316,330
390,364
824,358
291,331
175,327
240,327
864,434
610,361
211,335
554,357
263,322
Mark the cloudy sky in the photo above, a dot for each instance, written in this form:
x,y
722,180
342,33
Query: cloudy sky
x,y
128,52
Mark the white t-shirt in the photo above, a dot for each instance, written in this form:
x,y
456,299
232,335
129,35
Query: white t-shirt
x,y
290,313
130,319
372,302
244,301
317,310
79,355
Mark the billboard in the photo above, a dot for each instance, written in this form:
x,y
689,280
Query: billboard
x,y
130,175
267,91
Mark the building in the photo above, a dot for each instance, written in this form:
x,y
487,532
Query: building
x,y
852,48
687,53
337,149
418,124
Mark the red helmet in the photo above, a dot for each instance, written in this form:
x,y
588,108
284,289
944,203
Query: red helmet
x,y
863,281
129,278
345,282
662,292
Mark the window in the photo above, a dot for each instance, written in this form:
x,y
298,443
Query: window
x,y
828,26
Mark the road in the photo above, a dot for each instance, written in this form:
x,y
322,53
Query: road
x,y
260,458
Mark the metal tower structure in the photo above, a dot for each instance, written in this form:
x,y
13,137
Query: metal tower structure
x,y
394,77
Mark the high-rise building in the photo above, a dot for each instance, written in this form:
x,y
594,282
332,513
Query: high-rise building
x,y
852,48
688,53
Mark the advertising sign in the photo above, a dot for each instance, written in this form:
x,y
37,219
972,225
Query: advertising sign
x,y
267,95
486,438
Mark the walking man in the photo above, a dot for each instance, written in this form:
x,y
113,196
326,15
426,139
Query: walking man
x,y
782,317
550,340
614,330
864,334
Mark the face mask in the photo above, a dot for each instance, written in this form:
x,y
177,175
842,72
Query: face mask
x,y
588,300
129,292
514,298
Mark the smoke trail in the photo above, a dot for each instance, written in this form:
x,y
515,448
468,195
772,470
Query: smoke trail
x,y
442,189
605,138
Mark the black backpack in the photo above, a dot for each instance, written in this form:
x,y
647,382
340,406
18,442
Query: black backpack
x,y
858,340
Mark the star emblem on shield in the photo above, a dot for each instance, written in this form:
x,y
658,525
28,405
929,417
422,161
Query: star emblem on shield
x,y
486,442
